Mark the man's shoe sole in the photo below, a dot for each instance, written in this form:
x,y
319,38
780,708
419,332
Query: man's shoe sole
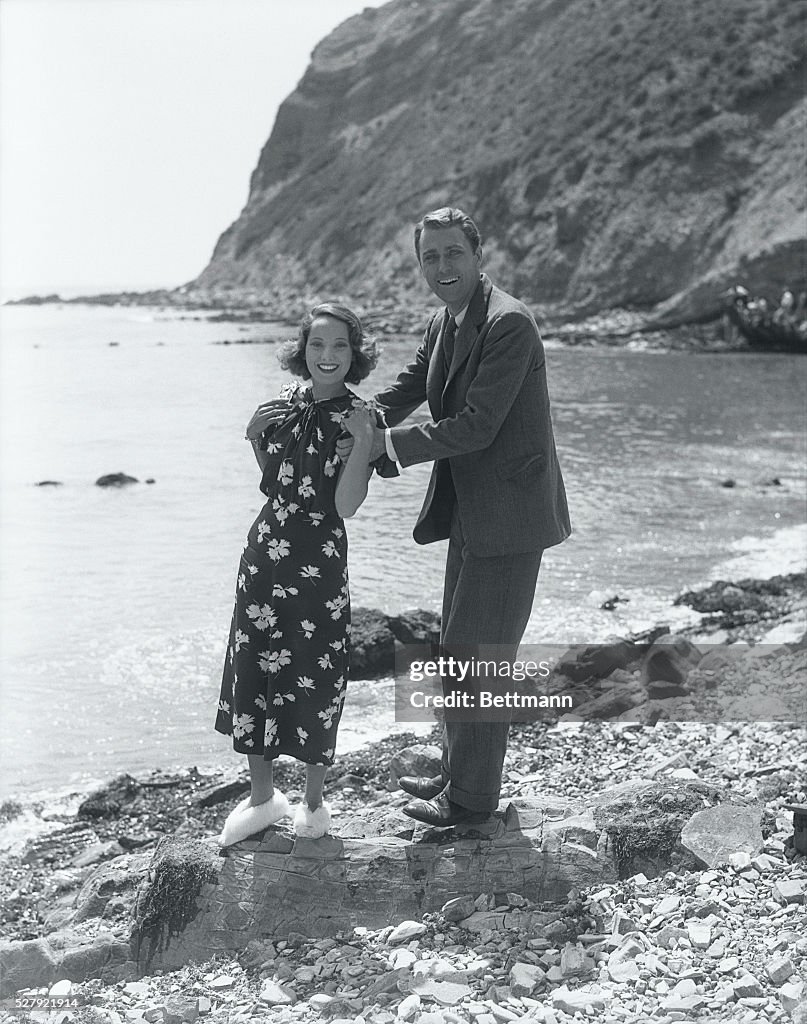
x,y
471,818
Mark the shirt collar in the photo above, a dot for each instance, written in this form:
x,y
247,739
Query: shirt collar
x,y
460,317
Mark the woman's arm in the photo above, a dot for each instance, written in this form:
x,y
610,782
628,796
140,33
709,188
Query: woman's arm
x,y
351,488
267,414
261,454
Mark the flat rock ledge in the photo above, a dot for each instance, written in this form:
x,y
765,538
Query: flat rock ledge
x,y
190,901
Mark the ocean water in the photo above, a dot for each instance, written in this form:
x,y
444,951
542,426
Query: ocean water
x,y
115,604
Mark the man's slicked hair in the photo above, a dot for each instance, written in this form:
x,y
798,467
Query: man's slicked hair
x,y
448,217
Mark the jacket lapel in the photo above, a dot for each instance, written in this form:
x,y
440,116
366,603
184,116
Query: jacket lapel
x,y
436,375
469,328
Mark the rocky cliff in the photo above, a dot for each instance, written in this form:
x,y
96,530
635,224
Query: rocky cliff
x,y
613,152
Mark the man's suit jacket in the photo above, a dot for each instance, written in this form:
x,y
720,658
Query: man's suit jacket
x,y
491,439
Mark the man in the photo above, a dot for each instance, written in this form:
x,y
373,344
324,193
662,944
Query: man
x,y
495,493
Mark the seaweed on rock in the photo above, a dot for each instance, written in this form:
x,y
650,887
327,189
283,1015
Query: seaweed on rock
x,y
166,903
644,824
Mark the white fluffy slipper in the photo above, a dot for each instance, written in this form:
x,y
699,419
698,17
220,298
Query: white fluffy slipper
x,y
310,824
245,820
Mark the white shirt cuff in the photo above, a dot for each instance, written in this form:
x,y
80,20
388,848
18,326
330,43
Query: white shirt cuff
x,y
391,453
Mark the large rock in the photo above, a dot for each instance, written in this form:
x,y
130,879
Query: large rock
x,y
376,637
26,965
372,644
189,901
118,879
418,759
279,884
416,626
384,869
108,801
596,661
714,833
644,820
670,660
64,955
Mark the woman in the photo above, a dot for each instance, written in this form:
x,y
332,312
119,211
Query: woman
x,y
286,668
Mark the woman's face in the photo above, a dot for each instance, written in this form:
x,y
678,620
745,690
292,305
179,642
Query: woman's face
x,y
328,353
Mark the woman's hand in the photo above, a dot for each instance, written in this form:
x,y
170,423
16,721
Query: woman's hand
x,y
360,423
265,416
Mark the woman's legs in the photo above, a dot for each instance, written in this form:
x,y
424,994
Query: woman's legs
x,y
264,806
313,817
260,779
314,781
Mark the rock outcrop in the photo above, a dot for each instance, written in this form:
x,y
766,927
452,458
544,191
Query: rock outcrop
x,y
115,480
189,903
616,153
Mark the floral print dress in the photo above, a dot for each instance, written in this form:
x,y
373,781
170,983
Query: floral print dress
x,y
286,666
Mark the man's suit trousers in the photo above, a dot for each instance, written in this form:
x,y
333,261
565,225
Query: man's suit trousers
x,y
486,605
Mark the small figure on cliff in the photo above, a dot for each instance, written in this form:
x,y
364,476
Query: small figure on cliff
x,y
496,492
785,312
285,672
735,301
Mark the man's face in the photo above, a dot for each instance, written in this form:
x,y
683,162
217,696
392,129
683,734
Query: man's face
x,y
450,266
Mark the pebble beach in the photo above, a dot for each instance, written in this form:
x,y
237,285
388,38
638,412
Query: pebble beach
x,y
726,943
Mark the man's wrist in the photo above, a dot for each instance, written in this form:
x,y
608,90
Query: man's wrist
x,y
388,445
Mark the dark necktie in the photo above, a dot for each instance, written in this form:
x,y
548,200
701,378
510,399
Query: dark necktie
x,y
448,342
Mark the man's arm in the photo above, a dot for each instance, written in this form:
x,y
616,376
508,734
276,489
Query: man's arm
x,y
409,390
508,354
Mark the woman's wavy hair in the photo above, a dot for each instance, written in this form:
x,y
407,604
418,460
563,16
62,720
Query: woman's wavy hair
x,y
365,350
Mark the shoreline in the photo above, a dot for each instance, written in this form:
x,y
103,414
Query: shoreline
x,y
617,328
767,612
760,558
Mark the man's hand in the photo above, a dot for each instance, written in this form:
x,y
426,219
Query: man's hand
x,y
344,446
265,415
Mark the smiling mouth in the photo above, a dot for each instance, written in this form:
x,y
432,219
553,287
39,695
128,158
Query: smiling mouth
x,y
450,280
327,367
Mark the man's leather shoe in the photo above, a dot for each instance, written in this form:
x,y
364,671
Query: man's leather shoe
x,y
422,788
442,813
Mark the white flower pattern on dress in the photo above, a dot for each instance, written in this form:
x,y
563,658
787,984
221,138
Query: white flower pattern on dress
x,y
273,661
277,549
305,488
262,617
337,606
243,724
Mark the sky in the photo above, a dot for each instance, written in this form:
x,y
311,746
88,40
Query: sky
x,y
129,130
